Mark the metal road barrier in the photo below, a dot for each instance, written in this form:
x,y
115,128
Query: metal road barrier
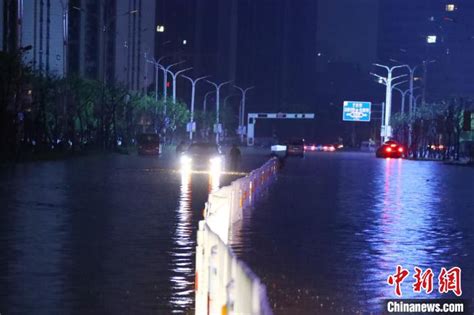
x,y
224,284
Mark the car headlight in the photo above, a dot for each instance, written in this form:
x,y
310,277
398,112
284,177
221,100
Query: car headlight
x,y
185,160
216,161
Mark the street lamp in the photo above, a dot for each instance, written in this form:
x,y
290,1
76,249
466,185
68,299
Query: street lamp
x,y
242,111
165,79
403,94
193,92
218,88
394,87
174,76
388,95
157,66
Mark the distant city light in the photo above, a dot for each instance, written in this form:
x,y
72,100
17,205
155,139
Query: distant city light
x,y
185,42
450,7
160,28
319,54
431,39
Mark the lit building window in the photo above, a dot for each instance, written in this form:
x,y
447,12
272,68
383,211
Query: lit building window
x,y
450,7
431,39
160,28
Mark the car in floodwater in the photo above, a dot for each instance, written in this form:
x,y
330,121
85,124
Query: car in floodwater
x,y
390,149
148,144
295,147
202,156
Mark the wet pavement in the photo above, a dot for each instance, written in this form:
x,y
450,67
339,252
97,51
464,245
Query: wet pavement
x,y
334,226
110,234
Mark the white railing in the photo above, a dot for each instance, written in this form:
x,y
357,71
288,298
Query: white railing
x,y
224,284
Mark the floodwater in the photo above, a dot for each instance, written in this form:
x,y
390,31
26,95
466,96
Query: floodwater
x,y
110,234
334,226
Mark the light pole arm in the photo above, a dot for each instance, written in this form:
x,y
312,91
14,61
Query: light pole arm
x,y
167,68
179,72
398,83
381,66
384,80
249,88
398,77
224,83
400,66
195,81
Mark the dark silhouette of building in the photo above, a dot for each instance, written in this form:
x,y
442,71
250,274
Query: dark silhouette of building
x,y
414,31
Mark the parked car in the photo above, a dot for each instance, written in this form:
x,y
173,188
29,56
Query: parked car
x,y
148,144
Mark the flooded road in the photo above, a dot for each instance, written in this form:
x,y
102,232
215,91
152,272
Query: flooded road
x,y
333,227
101,235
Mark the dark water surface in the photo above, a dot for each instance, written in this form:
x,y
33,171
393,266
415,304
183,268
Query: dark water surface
x,y
334,226
101,235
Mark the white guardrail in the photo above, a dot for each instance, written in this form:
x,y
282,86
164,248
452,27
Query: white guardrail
x,y
224,284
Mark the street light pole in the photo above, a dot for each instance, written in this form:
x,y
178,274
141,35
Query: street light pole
x,y
388,95
175,76
242,111
193,92
218,88
165,79
403,95
157,66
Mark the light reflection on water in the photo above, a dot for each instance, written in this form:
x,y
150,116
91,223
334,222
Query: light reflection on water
x,y
183,252
335,227
407,229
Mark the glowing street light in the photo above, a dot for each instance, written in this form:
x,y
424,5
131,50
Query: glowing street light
x,y
431,39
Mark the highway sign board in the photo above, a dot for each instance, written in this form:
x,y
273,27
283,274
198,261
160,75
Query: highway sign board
x,y
356,111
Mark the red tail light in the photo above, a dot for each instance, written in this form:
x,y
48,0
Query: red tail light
x,y
400,149
388,149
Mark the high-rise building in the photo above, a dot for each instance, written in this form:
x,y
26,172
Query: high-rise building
x,y
103,40
43,26
108,39
435,31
